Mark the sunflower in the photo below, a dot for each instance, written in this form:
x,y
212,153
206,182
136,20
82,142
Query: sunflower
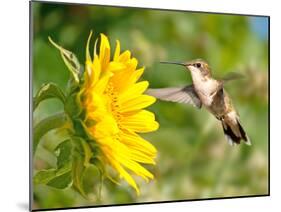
x,y
114,103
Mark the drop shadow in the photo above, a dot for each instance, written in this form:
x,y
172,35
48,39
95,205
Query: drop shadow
x,y
23,206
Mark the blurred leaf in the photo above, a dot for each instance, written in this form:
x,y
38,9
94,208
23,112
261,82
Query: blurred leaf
x,y
61,176
58,178
47,124
62,181
43,177
70,61
63,151
48,91
73,158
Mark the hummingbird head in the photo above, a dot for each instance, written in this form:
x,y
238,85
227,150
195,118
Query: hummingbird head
x,y
197,67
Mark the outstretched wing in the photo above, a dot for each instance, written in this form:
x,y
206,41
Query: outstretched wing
x,y
185,94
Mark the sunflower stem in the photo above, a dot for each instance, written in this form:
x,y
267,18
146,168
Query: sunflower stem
x,y
99,198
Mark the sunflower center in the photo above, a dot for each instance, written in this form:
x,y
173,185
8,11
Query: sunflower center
x,y
114,103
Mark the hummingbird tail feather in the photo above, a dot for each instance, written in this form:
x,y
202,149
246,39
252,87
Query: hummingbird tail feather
x,y
244,134
233,136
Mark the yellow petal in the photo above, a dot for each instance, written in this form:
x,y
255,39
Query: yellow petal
x,y
88,57
104,53
137,103
102,83
124,155
132,64
143,121
105,128
133,91
125,174
117,51
115,66
134,141
135,167
96,70
141,157
124,79
125,56
137,74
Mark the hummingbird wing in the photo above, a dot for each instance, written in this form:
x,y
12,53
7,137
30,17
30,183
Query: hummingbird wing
x,y
185,94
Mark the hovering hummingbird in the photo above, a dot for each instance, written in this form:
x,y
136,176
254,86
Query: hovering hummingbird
x,y
210,93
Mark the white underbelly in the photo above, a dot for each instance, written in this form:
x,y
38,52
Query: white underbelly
x,y
207,101
206,91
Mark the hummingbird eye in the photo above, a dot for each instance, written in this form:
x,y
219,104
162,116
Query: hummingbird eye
x,y
198,65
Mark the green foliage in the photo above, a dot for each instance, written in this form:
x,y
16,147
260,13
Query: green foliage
x,y
61,176
73,157
47,91
72,64
47,124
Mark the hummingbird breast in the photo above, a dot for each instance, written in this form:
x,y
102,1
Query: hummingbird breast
x,y
206,90
212,96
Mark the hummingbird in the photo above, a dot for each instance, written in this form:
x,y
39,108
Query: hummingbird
x,y
210,93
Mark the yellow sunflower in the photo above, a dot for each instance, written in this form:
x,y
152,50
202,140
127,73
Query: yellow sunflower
x,y
114,103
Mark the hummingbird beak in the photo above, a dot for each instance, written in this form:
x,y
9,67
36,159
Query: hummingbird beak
x,y
185,64
177,63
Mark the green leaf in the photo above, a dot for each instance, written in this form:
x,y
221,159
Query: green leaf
x,y
64,153
70,61
47,124
73,159
78,170
62,181
81,157
61,177
48,91
43,177
57,178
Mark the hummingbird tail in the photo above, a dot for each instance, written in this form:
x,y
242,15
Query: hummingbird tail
x,y
234,132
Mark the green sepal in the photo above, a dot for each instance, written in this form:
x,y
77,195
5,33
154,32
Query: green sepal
x,y
70,61
80,128
48,91
73,105
82,149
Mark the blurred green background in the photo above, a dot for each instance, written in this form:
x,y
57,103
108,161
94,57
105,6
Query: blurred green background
x,y
194,160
